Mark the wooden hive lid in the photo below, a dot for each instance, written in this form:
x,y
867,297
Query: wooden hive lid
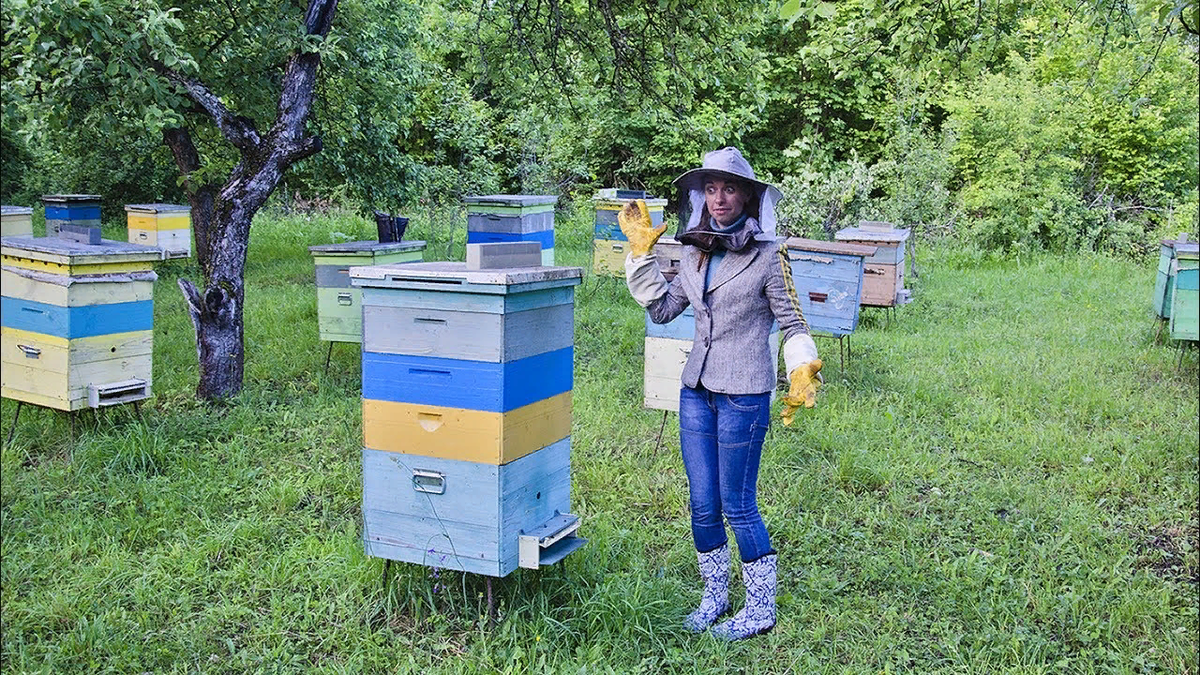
x,y
8,210
369,246
891,236
1189,250
67,252
157,208
612,203
65,199
802,244
518,201
455,277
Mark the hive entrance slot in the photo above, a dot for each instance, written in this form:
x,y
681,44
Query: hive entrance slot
x,y
550,542
114,393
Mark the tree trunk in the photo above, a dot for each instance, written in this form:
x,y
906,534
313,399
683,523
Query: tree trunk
x,y
221,218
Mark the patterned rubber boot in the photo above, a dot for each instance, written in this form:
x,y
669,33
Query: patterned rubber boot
x,y
714,567
758,616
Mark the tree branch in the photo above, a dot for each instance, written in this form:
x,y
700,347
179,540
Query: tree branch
x,y
237,129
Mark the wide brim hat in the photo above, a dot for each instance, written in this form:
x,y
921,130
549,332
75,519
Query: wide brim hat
x,y
727,163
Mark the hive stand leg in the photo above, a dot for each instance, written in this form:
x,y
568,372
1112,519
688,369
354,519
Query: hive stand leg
x,y
328,355
71,422
13,429
661,427
491,607
387,567
137,408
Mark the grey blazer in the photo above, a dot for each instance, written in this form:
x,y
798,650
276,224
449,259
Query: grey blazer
x,y
751,289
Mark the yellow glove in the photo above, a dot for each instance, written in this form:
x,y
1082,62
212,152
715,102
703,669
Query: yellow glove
x,y
637,227
803,391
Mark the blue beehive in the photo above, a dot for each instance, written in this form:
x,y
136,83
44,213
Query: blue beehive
x,y
829,283
467,377
78,210
494,219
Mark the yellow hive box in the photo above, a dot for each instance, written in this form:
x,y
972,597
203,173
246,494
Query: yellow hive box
x,y
165,226
468,435
55,372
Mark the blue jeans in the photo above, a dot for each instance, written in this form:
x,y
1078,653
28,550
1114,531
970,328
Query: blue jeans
x,y
721,438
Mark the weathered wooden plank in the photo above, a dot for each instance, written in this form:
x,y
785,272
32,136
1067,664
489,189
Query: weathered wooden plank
x,y
455,277
475,336
839,247
529,202
459,383
59,355
16,221
881,283
467,302
76,322
467,435
504,255
533,490
68,391
508,222
431,487
30,287
548,257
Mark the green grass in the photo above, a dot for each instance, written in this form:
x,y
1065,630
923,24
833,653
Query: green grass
x,y
1004,478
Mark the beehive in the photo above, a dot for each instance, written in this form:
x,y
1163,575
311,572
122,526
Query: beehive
x,y
507,218
1164,281
16,221
80,210
1185,298
829,282
164,226
669,254
610,246
339,303
77,322
667,348
466,385
883,272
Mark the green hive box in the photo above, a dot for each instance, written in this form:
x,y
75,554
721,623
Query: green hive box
x,y
339,305
1185,298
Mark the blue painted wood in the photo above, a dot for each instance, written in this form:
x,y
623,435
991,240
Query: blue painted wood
x,y
682,327
468,302
475,521
76,322
73,212
545,237
472,385
829,286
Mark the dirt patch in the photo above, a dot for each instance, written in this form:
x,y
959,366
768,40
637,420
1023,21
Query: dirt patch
x,y
1170,550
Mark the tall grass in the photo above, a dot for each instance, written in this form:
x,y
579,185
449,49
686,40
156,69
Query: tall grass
x,y
1003,478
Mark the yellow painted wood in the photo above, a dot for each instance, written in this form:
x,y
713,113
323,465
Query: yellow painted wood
x,y
51,267
150,221
68,390
75,295
20,225
608,257
61,355
468,435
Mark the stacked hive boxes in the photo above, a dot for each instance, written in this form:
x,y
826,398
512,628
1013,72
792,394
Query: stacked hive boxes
x,y
339,304
466,384
164,226
1164,282
507,218
829,283
883,273
1185,298
77,322
78,210
16,221
610,244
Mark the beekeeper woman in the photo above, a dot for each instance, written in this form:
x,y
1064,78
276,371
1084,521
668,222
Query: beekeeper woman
x,y
735,275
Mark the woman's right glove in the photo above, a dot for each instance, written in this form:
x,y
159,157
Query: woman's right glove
x,y
637,227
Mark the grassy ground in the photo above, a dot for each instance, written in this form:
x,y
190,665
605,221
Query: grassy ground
x,y
1002,479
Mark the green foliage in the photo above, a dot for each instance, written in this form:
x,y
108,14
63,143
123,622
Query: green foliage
x,y
979,490
819,202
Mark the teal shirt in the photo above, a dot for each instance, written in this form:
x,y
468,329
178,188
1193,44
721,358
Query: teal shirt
x,y
715,258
